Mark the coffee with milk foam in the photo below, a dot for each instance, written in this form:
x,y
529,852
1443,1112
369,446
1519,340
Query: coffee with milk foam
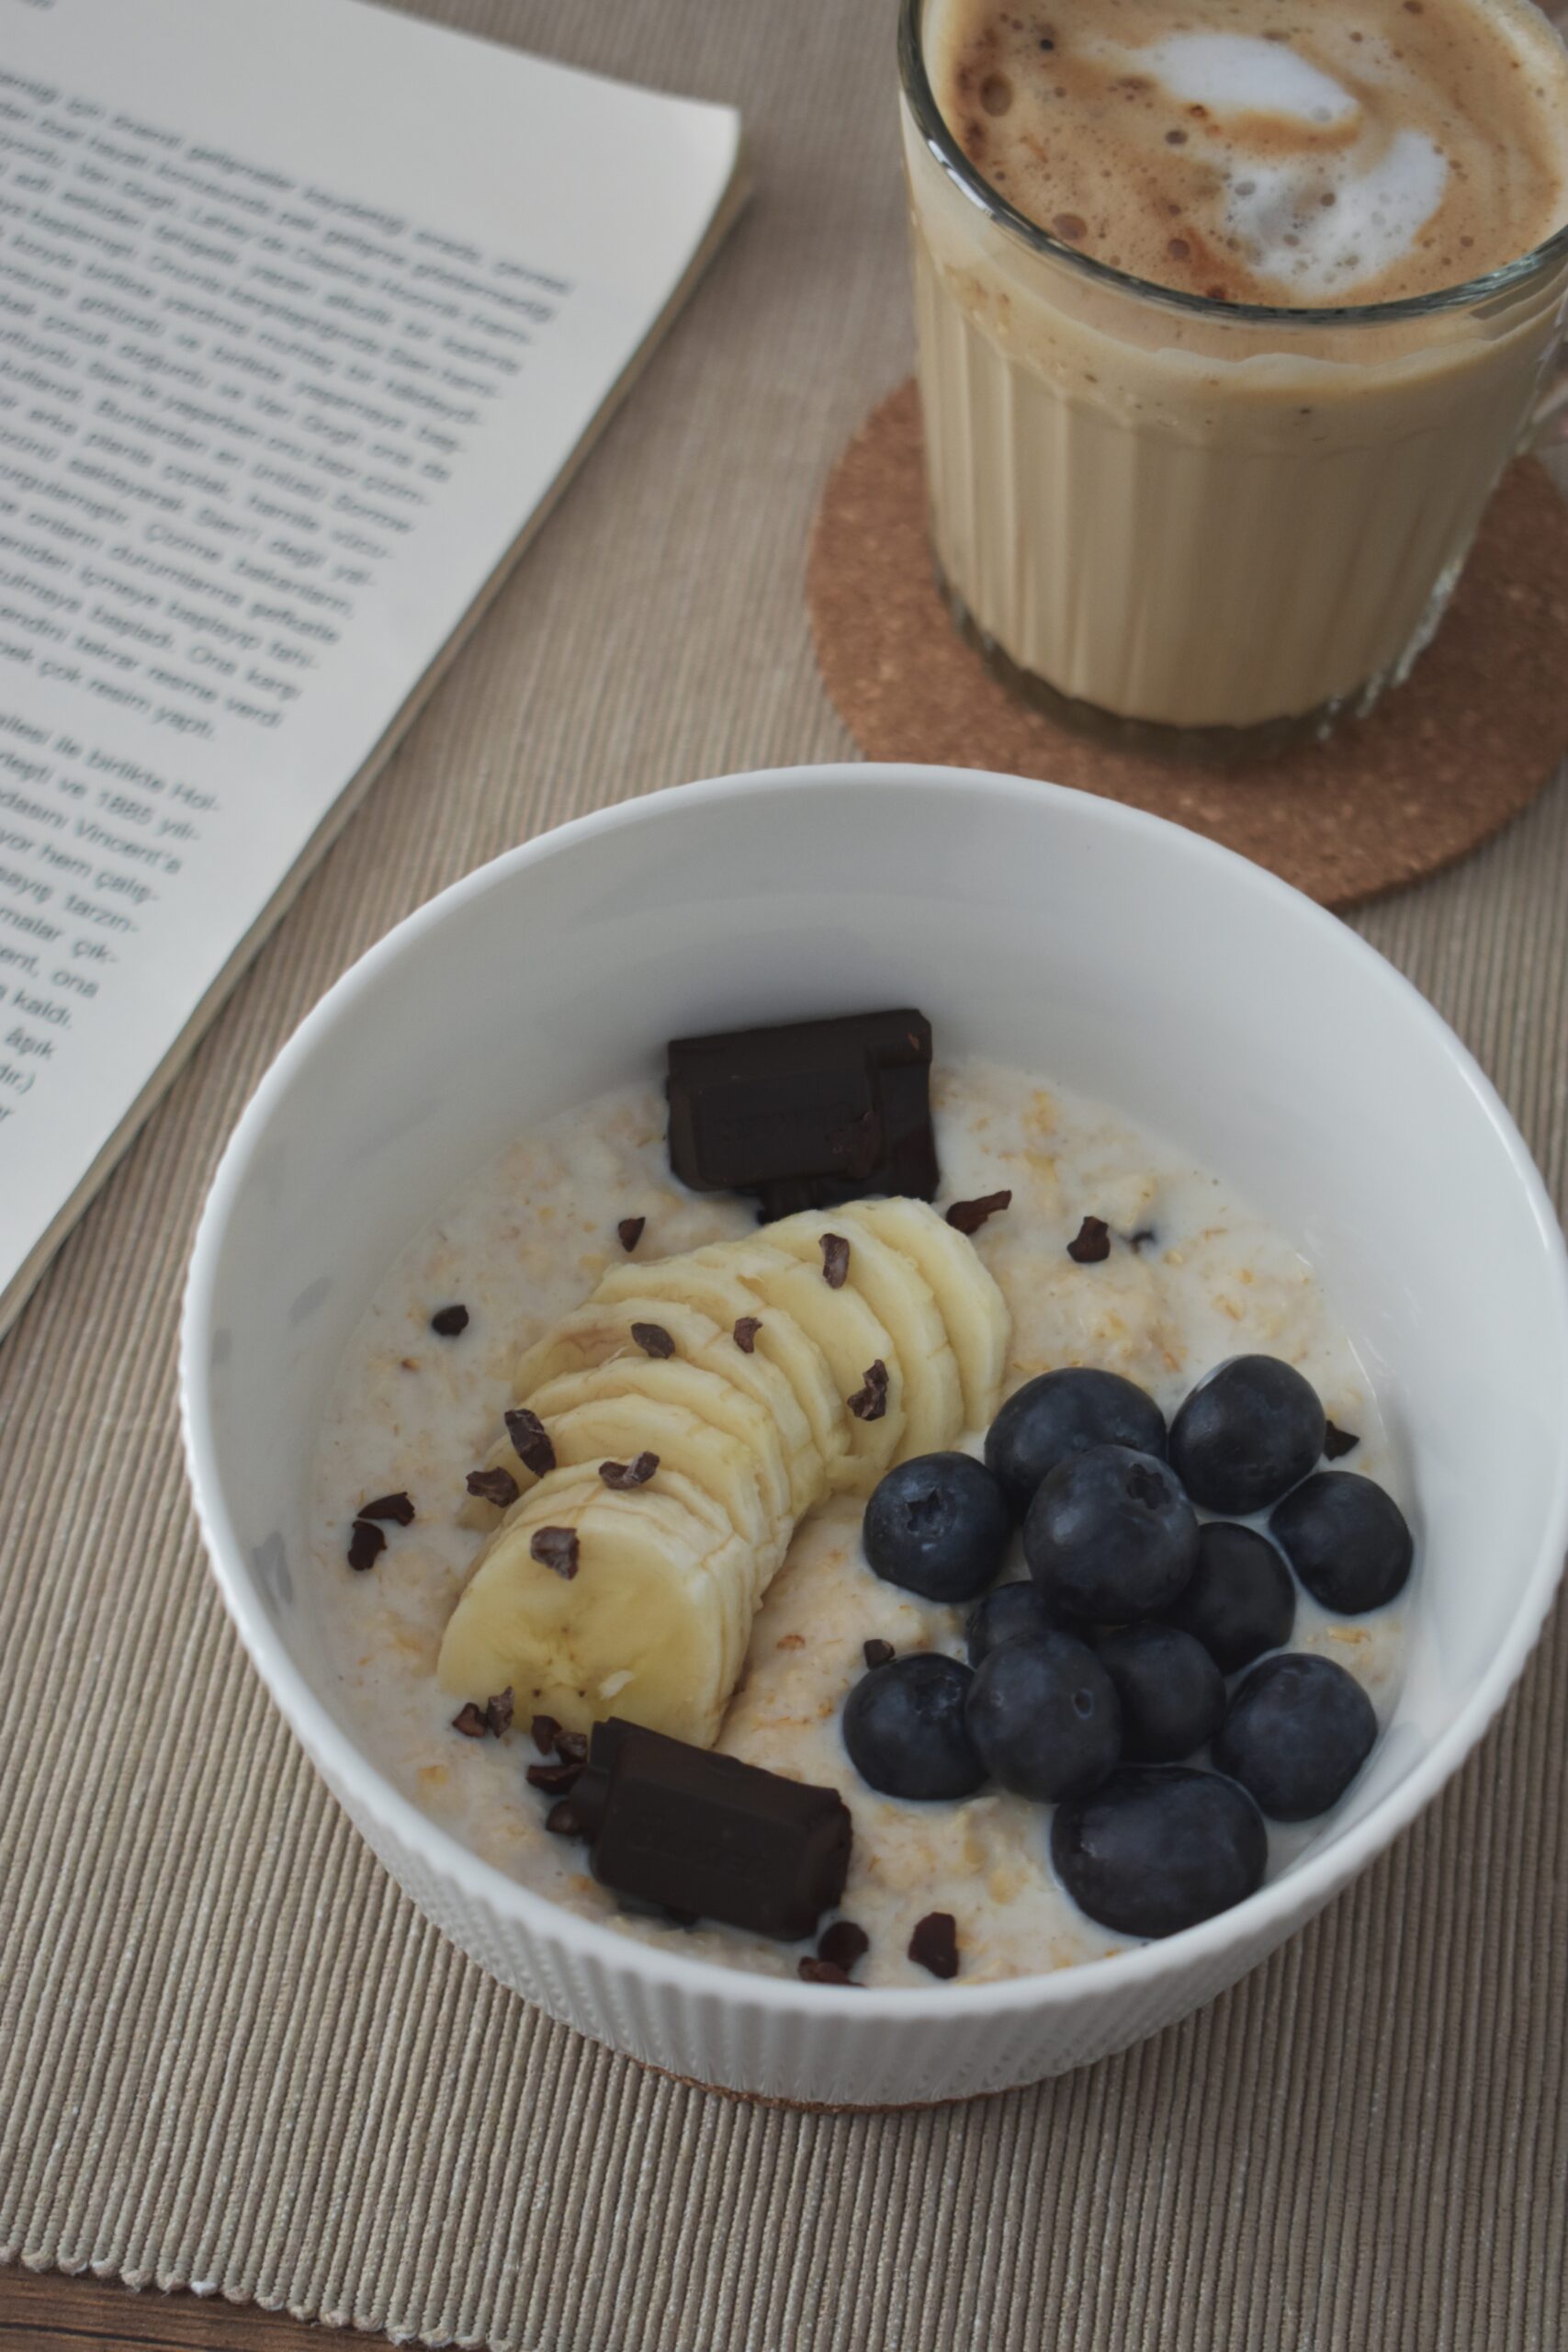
x,y
1298,152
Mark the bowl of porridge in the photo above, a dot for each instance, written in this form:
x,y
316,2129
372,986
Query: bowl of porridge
x,y
878,1422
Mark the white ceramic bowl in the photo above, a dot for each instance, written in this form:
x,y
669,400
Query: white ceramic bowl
x,y
1119,955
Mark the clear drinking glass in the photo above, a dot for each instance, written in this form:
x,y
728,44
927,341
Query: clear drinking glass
x,y
1198,527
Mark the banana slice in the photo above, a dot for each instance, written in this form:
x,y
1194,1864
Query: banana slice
x,y
779,1339
848,1334
899,1296
601,1333
562,1486
656,1621
755,1484
667,1482
604,1432
617,1429
968,1299
741,1588
575,1482
647,1627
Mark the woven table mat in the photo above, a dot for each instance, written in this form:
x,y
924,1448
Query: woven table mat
x,y
233,2057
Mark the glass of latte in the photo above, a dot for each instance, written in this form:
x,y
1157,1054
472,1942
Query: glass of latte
x,y
1230,314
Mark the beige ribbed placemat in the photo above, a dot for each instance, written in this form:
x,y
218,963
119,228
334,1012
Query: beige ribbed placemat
x,y
233,2056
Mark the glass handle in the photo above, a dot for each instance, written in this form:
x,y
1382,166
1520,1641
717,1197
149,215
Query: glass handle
x,y
1547,426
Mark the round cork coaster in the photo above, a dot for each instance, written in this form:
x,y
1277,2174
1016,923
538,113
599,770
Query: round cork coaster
x,y
1440,765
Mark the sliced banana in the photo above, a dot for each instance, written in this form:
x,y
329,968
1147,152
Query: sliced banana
x,y
617,1429
656,1621
848,1334
779,1339
561,1488
600,1332
740,1587
576,1477
968,1299
647,1383
899,1296
646,1628
546,1501
578,1342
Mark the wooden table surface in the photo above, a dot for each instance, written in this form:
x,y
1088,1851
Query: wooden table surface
x,y
44,2312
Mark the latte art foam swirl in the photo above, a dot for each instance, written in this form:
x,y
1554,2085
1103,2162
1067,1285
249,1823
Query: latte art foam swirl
x,y
1352,151
1321,232
1351,200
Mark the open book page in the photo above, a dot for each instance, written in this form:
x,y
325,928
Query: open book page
x,y
305,309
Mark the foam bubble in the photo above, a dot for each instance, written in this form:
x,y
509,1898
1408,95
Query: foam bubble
x,y
1380,205
1238,73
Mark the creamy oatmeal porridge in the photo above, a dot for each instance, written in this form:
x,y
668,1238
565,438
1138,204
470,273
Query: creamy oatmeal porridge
x,y
1180,1279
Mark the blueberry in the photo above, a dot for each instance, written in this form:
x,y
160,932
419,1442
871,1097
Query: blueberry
x,y
904,1728
938,1525
1299,1730
1247,1434
1346,1540
1042,1717
1009,1612
1157,1848
1061,1413
1241,1601
1111,1537
1171,1694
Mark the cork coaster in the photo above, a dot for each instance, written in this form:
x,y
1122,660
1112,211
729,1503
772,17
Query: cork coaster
x,y
1437,768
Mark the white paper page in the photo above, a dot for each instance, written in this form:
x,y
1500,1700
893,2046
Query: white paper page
x,y
303,308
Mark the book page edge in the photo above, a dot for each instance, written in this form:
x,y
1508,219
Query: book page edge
x,y
30,1272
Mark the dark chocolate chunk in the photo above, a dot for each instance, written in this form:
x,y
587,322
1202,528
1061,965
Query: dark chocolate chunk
x,y
877,1653
544,1731
470,1720
843,1943
935,1943
555,1779
497,1486
1338,1442
824,1971
746,1330
393,1507
870,1403
1145,1238
968,1216
572,1746
498,1711
562,1820
556,1547
449,1321
835,1260
366,1544
1091,1243
653,1340
806,1114
703,1833
530,1440
624,1477
630,1231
